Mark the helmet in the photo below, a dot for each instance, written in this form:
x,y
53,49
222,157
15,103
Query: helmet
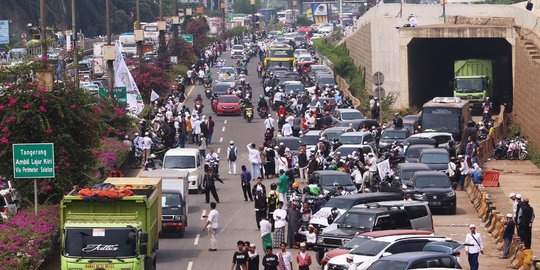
x,y
295,185
306,189
327,85
273,186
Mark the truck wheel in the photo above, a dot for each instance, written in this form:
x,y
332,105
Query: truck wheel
x,y
181,233
149,264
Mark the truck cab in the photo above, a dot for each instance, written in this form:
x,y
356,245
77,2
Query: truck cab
x,y
111,227
473,80
174,200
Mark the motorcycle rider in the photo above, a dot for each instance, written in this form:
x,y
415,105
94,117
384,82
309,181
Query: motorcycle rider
x,y
246,103
212,158
398,121
487,105
278,98
261,103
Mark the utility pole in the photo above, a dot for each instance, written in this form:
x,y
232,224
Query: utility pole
x,y
175,17
139,43
161,28
110,67
252,2
74,33
222,5
42,29
341,15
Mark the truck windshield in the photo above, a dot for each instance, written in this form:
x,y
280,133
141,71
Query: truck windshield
x,y
100,242
469,84
441,120
179,162
170,200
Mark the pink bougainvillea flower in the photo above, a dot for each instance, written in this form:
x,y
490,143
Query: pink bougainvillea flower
x,y
49,131
73,106
2,107
42,109
26,106
4,140
43,89
11,101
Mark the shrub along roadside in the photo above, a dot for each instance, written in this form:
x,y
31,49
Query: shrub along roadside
x,y
26,240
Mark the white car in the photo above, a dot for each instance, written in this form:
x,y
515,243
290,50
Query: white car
x,y
299,52
237,52
370,251
225,74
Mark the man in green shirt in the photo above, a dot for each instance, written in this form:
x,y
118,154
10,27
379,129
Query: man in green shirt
x,y
283,186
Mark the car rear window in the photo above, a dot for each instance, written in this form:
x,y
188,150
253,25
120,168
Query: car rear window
x,y
370,248
388,265
434,158
431,181
228,99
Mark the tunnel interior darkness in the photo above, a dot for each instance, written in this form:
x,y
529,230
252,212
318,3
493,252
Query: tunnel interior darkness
x,y
431,66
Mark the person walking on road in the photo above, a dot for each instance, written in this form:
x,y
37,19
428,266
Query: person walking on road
x,y
303,258
280,218
283,186
525,220
508,235
473,247
253,257
240,259
270,260
232,155
260,204
254,160
245,178
209,184
293,216
270,123
266,229
212,225
210,126
284,257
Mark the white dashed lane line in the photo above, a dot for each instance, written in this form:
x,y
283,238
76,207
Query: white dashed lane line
x,y
221,139
190,265
223,129
196,242
203,214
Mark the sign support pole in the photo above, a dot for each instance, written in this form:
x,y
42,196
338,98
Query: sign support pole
x,y
35,197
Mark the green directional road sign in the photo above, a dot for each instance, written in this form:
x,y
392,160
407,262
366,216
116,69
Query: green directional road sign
x,y
188,38
120,94
33,160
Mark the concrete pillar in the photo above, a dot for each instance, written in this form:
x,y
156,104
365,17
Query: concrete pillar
x,y
404,73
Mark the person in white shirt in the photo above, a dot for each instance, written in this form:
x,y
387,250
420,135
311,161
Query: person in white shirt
x,y
350,261
473,247
270,123
412,21
310,120
146,146
311,236
266,229
280,223
464,169
232,156
284,257
254,160
286,129
212,226
196,125
357,176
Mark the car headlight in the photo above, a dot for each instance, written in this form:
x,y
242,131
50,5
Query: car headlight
x,y
403,186
419,196
320,240
451,194
177,217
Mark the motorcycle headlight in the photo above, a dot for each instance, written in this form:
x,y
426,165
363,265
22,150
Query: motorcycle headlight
x,y
451,194
419,196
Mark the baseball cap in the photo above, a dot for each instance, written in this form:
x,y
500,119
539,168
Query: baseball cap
x,y
518,196
302,244
472,226
509,215
512,194
350,257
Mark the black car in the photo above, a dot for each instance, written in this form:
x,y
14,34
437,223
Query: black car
x,y
413,152
405,171
437,159
391,135
435,188
418,140
357,124
293,143
221,88
331,180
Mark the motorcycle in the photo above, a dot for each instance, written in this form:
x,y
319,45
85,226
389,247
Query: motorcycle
x,y
263,113
248,114
199,106
486,114
207,87
500,149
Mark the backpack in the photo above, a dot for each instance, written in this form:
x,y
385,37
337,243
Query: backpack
x,y
232,153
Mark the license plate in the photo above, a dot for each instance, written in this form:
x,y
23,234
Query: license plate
x,y
435,203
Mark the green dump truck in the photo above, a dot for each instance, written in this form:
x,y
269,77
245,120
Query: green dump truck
x,y
117,234
473,79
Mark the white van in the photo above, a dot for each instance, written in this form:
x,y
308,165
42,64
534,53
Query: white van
x,y
189,160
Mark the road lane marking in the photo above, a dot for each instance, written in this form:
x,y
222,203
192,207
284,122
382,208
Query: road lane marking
x,y
223,129
230,220
190,265
225,122
203,214
219,150
196,242
140,172
188,94
221,139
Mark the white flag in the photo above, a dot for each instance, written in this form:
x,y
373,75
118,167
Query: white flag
x,y
384,168
153,96
123,78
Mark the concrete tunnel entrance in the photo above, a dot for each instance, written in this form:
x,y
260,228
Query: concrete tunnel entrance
x,y
431,66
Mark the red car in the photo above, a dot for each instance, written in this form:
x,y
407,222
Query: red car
x,y
365,237
228,105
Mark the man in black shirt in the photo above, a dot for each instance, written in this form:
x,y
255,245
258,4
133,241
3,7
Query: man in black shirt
x,y
240,258
270,261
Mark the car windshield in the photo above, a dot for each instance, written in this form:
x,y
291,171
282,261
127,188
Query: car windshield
x,y
330,135
179,162
340,202
100,242
351,115
237,47
353,220
414,152
327,80
225,70
291,144
434,158
355,242
220,89
370,248
431,181
388,265
170,200
296,88
389,134
228,100
304,59
351,139
310,139
335,180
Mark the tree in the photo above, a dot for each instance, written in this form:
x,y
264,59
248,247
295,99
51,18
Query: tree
x,y
151,77
303,20
244,6
183,50
199,28
121,22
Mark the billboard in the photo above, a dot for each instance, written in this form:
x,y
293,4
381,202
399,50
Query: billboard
x,y
320,12
4,32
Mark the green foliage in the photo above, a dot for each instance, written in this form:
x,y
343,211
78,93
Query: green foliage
x,y
199,28
244,6
237,31
182,49
303,20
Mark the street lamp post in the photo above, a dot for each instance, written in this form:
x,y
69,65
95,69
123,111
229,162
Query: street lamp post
x,y
222,6
252,2
110,68
139,42
74,33
42,29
